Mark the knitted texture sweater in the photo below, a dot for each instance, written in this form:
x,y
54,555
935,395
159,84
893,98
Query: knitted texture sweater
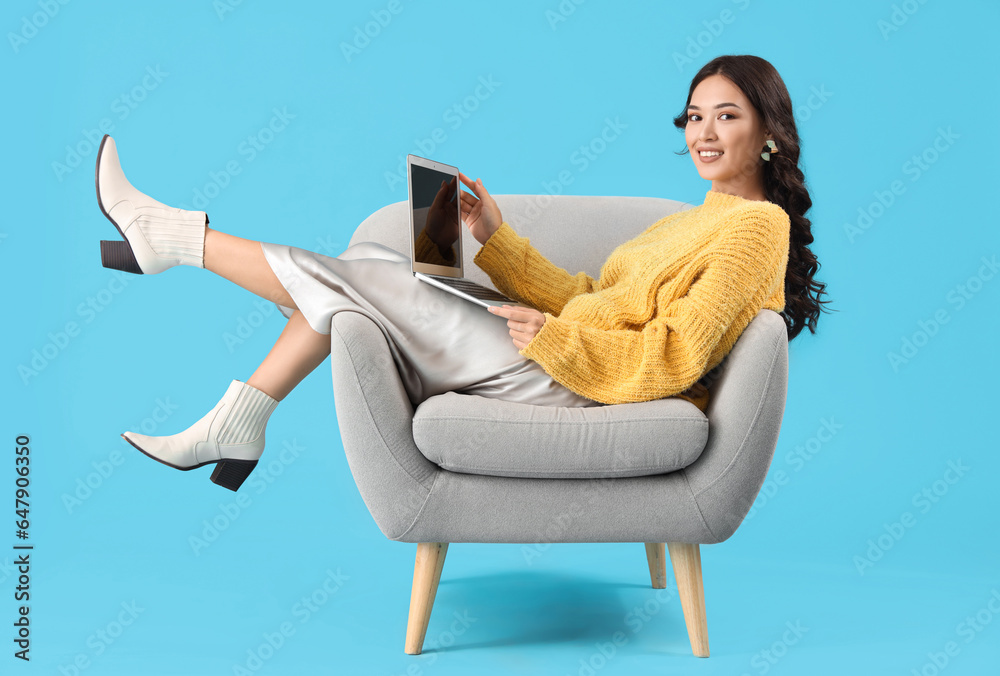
x,y
667,307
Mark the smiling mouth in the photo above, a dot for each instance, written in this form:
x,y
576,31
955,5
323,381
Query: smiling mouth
x,y
712,153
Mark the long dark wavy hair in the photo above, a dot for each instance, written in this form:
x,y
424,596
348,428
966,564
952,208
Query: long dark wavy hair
x,y
784,183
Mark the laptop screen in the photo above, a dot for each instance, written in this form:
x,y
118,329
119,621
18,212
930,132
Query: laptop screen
x,y
436,220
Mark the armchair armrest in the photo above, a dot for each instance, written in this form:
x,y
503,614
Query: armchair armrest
x,y
376,424
744,414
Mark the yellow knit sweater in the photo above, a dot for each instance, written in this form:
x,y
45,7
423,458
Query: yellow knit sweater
x,y
668,306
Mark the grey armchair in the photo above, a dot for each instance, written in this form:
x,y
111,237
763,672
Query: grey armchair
x,y
657,472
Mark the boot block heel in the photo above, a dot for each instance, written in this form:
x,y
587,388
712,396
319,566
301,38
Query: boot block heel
x,y
118,255
232,473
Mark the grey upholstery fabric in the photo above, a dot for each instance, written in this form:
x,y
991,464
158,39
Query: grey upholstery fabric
x,y
413,499
476,435
576,233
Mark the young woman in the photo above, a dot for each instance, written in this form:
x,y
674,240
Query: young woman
x,y
667,307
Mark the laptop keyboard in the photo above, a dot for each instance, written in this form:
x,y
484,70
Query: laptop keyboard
x,y
473,289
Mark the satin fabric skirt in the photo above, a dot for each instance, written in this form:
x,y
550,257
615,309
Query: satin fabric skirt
x,y
440,342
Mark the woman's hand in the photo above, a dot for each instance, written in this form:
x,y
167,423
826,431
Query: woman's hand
x,y
524,322
480,212
442,217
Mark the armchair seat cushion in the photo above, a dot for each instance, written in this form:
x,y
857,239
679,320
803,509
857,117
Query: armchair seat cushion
x,y
480,435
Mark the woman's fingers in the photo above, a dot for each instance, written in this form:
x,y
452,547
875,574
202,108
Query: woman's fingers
x,y
476,186
475,209
469,200
481,205
467,181
470,205
522,328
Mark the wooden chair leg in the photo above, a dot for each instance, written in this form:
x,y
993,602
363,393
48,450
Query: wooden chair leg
x,y
426,575
686,559
656,557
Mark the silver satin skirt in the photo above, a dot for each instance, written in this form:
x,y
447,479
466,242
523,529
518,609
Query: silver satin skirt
x,y
440,342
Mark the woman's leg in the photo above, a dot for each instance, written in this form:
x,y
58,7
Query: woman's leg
x,y
296,353
242,262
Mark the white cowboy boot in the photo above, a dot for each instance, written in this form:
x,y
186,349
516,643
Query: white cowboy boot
x,y
156,236
231,435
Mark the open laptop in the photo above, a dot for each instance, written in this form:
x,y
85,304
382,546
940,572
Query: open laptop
x,y
436,255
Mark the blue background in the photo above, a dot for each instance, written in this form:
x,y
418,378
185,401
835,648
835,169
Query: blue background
x,y
183,85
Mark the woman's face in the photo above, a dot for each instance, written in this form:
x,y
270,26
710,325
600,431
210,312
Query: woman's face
x,y
720,118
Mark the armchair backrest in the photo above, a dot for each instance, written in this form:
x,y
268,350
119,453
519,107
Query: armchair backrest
x,y
574,232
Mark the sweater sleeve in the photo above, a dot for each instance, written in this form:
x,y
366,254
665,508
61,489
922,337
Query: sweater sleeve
x,y
428,252
521,272
672,351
